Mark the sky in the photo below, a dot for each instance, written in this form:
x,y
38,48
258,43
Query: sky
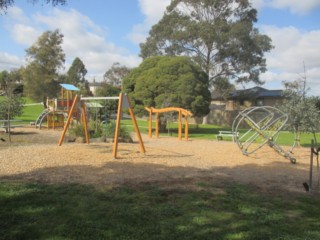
x,y
102,32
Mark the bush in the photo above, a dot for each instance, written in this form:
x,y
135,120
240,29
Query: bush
x,y
100,130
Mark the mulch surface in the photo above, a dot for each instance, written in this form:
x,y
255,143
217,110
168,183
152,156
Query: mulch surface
x,y
34,156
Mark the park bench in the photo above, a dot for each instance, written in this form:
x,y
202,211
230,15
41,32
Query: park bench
x,y
223,134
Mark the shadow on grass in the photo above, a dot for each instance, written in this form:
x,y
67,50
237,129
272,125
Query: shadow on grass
x,y
55,203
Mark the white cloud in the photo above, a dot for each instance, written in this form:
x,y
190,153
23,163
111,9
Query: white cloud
x,y
25,34
86,40
9,62
153,12
258,4
295,6
20,26
293,49
82,38
16,14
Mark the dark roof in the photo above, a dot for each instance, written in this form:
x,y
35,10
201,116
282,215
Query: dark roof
x,y
251,93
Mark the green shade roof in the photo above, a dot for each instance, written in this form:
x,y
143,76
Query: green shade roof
x,y
93,105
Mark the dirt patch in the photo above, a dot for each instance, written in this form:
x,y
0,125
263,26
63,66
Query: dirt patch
x,y
34,155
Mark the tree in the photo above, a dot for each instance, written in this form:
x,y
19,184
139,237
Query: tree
x,y
4,4
4,75
77,72
13,76
45,58
164,80
12,104
115,74
76,76
110,106
302,110
224,87
218,35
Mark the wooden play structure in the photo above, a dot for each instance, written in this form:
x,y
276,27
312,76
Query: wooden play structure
x,y
57,109
181,112
123,103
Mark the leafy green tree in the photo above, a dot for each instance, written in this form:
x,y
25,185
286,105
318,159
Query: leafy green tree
x,y
218,34
76,76
77,72
224,87
4,76
14,76
163,80
110,106
45,58
115,74
4,4
12,104
302,109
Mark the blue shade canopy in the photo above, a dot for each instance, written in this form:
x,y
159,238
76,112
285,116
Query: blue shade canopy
x,y
69,87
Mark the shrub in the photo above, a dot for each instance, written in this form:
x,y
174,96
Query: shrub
x,y
101,130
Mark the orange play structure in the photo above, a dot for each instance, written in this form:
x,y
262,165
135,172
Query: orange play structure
x,y
123,103
57,109
182,112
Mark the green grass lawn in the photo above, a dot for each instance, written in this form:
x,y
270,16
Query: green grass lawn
x,y
206,131
203,210
30,112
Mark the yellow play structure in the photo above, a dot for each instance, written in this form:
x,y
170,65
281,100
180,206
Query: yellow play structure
x,y
182,112
123,103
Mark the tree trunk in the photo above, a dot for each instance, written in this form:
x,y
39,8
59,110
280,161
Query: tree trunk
x,y
205,119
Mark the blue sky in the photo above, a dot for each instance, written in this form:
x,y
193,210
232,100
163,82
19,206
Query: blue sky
x,y
102,32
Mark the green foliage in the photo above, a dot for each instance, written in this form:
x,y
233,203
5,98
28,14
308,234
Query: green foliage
x,y
4,76
11,104
77,72
115,74
109,106
46,57
76,76
11,107
219,35
302,110
168,81
100,129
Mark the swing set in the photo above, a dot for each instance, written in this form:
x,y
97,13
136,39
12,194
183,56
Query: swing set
x,y
123,103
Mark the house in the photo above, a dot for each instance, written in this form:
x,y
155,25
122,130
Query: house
x,y
223,111
93,86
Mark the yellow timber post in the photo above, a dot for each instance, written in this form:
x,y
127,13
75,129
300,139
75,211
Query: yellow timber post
x,y
68,120
116,133
84,121
180,126
124,101
181,111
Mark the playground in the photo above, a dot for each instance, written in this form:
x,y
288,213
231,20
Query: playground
x,y
36,157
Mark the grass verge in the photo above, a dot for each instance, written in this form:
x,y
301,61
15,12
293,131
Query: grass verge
x,y
203,210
